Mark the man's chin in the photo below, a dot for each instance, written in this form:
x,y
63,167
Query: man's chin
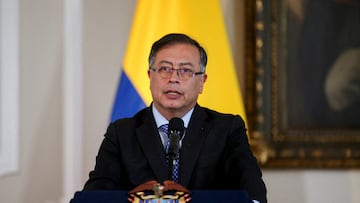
x,y
174,107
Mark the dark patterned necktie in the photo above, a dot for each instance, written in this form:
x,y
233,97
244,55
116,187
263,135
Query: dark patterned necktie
x,y
175,172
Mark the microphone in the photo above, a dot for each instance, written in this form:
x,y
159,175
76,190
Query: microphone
x,y
175,132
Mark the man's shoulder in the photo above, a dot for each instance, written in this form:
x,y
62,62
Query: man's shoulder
x,y
139,117
214,113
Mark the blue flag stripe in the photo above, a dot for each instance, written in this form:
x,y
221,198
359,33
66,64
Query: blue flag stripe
x,y
127,100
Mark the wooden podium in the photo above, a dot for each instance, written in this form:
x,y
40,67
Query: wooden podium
x,y
197,196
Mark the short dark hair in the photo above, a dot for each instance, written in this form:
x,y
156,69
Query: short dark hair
x,y
177,38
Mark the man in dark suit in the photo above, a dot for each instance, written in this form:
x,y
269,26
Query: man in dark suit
x,y
215,153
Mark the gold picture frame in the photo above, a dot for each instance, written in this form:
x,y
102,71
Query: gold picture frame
x,y
288,126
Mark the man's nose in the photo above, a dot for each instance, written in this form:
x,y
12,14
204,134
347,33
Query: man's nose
x,y
176,71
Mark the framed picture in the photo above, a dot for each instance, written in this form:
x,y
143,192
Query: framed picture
x,y
303,82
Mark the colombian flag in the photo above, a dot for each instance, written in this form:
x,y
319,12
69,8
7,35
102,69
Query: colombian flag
x,y
201,20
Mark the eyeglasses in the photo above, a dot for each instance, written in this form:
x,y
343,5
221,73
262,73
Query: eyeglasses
x,y
183,73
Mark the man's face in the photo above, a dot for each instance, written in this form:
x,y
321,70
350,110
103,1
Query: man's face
x,y
174,96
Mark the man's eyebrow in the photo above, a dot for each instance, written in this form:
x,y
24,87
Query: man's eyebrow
x,y
166,62
180,64
186,64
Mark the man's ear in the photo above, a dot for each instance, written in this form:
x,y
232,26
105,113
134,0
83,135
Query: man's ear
x,y
203,80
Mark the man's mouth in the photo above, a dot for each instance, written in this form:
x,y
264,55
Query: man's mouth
x,y
173,93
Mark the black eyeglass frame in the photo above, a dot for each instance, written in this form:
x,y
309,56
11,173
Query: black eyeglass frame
x,y
182,73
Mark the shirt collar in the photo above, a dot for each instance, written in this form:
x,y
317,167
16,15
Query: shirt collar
x,y
161,120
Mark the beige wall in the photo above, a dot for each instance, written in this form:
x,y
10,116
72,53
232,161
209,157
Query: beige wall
x,y
105,32
106,29
39,177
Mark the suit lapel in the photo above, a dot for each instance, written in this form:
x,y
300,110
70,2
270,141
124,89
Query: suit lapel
x,y
150,142
192,144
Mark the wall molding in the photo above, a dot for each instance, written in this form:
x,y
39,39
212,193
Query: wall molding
x,y
72,98
9,86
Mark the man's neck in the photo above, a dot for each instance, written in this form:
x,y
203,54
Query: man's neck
x,y
159,117
172,113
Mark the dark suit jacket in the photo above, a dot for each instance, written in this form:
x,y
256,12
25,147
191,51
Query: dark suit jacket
x,y
215,154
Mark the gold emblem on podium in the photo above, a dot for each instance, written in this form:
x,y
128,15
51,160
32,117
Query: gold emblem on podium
x,y
153,192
